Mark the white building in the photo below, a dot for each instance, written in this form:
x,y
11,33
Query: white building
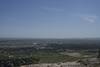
x,y
67,64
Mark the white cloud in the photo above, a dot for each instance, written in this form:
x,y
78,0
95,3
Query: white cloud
x,y
90,18
53,9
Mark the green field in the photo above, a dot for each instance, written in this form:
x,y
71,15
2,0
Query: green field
x,y
53,57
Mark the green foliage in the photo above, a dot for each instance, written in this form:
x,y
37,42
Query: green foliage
x,y
6,61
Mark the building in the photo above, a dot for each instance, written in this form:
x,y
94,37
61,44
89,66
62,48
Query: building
x,y
67,64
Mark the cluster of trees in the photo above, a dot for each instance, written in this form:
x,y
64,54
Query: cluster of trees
x,y
17,61
74,46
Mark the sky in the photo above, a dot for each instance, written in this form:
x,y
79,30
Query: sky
x,y
49,18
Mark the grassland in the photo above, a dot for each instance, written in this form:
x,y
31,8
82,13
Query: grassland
x,y
53,57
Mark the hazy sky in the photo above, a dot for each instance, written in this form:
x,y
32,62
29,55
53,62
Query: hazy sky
x,y
50,18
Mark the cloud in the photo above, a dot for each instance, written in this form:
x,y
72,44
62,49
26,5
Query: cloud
x,y
53,9
90,18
